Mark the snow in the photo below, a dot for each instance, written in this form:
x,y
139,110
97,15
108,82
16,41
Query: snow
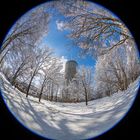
x,y
71,121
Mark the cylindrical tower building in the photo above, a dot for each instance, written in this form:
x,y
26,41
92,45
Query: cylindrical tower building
x,y
70,70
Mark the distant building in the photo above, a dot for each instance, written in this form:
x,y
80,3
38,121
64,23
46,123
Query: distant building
x,y
70,70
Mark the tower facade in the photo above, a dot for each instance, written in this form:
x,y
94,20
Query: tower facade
x,y
70,70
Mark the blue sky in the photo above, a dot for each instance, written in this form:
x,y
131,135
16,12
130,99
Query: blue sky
x,y
57,40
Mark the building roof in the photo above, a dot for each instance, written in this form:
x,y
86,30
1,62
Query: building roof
x,y
69,61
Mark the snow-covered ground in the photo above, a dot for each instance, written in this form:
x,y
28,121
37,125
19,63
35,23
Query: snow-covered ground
x,y
71,121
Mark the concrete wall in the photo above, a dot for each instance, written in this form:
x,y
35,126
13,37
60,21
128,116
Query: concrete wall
x,y
70,70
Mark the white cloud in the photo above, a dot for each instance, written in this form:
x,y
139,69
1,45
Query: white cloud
x,y
63,60
60,25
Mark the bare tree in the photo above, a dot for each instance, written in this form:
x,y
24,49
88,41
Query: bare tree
x,y
80,87
26,30
41,56
133,61
51,76
96,30
115,71
86,79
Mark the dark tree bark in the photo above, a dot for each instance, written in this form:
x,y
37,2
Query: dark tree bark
x,y
28,88
41,91
52,91
17,72
86,92
56,92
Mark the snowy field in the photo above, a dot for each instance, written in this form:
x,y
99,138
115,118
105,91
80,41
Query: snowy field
x,y
71,121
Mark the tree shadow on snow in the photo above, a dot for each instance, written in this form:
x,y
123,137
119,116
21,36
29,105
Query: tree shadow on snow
x,y
48,125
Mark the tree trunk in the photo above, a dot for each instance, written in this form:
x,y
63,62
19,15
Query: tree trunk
x,y
27,93
57,92
86,93
3,56
17,72
52,92
49,91
15,76
41,91
40,94
86,96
